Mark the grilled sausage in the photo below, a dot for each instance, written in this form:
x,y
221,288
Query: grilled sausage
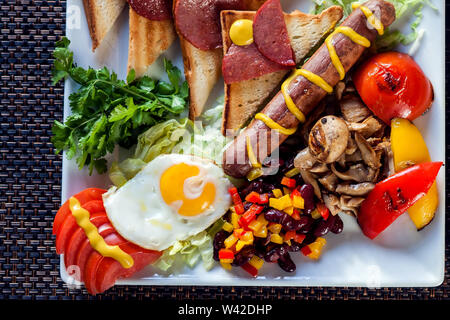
x,y
304,93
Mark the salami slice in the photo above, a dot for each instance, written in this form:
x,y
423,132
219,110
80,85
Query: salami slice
x,y
153,9
243,63
270,34
198,21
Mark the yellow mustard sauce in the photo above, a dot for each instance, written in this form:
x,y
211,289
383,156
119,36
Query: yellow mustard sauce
x,y
317,80
313,78
354,36
241,32
251,155
373,20
97,242
273,125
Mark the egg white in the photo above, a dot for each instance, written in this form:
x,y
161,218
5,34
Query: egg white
x,y
139,213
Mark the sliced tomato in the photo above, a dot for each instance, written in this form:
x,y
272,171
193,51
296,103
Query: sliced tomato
x,y
70,224
84,196
90,274
86,250
79,237
109,270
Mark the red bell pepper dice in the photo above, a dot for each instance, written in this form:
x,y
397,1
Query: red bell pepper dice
x,y
250,269
393,196
250,214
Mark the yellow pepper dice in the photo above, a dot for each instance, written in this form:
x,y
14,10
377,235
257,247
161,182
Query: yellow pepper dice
x,y
281,203
316,248
230,241
227,227
409,148
276,238
256,262
277,193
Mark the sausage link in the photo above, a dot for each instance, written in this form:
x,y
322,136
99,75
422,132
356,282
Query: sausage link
x,y
305,94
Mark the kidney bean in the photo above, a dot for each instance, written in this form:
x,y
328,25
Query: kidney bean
x,y
310,238
295,246
307,192
307,226
218,243
322,227
243,256
285,262
288,223
338,225
274,252
255,185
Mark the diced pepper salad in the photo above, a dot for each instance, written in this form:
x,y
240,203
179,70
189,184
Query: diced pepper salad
x,y
268,221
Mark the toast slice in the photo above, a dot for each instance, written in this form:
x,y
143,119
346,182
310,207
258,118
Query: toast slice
x,y
148,39
101,15
203,69
243,99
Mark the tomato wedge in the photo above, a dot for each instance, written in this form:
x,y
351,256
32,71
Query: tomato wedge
x,y
393,196
393,85
70,224
84,197
96,271
79,237
109,270
93,261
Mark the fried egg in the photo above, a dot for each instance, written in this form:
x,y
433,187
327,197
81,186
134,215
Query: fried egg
x,y
172,198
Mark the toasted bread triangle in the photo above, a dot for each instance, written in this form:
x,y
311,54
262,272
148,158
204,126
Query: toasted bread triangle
x,y
243,99
101,15
203,68
148,39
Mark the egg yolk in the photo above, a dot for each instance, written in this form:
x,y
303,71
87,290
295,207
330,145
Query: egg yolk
x,y
183,183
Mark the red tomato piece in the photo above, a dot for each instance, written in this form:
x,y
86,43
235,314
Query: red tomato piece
x,y
393,85
86,250
79,237
84,196
94,261
70,225
109,270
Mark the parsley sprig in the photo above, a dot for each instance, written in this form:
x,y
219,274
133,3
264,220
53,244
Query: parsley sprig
x,y
107,111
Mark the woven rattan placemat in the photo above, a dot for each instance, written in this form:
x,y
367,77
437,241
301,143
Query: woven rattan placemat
x,y
30,178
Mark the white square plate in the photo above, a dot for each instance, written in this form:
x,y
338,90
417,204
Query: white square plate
x,y
399,257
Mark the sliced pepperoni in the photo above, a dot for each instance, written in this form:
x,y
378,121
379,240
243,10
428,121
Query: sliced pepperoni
x,y
198,21
152,9
270,34
243,63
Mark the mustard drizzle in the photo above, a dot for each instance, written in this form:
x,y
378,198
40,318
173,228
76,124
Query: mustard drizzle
x,y
315,79
81,216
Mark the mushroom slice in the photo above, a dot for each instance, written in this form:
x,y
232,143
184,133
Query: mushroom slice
x,y
359,189
319,168
304,160
353,109
310,178
329,181
351,146
354,157
339,89
328,139
350,204
332,203
367,153
367,128
357,173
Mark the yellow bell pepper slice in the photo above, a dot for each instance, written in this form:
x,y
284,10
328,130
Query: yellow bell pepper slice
x,y
409,148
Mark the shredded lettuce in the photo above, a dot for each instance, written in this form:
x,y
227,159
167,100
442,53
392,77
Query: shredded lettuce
x,y
201,138
391,38
192,250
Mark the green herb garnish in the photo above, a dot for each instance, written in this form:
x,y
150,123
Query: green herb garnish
x,y
107,111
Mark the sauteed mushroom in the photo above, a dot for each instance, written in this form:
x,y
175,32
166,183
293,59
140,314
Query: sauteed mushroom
x,y
348,153
328,139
